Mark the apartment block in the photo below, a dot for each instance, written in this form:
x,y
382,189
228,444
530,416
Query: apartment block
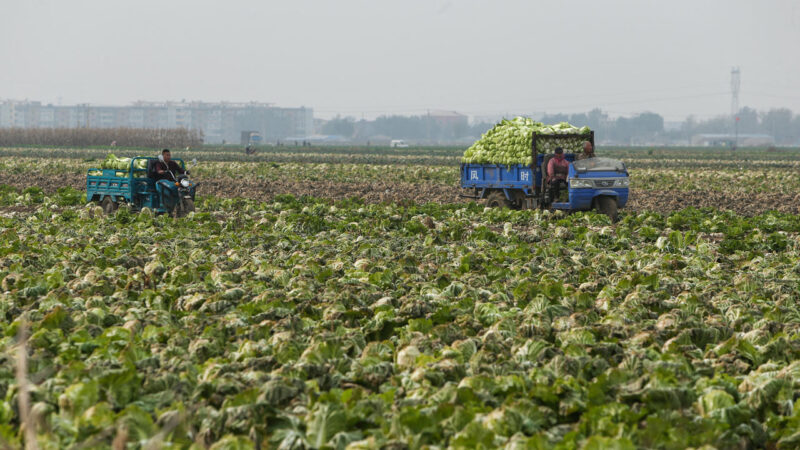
x,y
219,122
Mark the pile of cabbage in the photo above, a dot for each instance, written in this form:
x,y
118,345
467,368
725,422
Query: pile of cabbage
x,y
121,166
509,142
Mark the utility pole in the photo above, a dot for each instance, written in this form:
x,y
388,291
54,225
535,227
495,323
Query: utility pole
x,y
735,81
428,126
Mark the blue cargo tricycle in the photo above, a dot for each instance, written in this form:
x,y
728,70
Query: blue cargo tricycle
x,y
593,183
138,188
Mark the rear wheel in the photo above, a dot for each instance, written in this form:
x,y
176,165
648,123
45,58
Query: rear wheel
x,y
607,206
497,199
109,205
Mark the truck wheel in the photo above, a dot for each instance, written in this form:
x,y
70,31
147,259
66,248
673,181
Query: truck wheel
x,y
497,199
607,206
109,205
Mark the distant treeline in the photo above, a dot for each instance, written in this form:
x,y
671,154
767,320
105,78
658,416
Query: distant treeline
x,y
123,137
780,123
643,128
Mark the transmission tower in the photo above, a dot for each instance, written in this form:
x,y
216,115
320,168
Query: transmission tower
x,y
734,91
735,105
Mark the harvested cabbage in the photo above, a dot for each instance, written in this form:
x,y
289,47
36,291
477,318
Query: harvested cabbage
x,y
112,162
509,142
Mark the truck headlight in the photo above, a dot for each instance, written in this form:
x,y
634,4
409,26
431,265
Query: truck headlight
x,y
577,183
621,182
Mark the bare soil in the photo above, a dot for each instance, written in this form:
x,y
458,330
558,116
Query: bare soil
x,y
376,192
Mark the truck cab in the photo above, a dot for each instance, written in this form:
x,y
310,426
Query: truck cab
x,y
596,183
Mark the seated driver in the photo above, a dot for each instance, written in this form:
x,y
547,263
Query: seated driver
x,y
557,170
165,181
588,151
163,167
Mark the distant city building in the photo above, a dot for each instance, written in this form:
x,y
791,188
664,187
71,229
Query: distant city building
x,y
218,121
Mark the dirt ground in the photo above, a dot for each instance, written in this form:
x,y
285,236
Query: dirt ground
x,y
375,192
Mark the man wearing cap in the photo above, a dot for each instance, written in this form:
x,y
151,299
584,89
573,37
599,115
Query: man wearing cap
x,y
557,170
588,151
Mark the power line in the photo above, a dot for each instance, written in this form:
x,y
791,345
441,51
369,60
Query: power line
x,y
764,94
503,106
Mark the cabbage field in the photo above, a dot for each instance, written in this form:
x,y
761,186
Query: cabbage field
x,y
374,308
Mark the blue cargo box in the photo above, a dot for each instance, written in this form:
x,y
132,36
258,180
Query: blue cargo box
x,y
98,186
496,176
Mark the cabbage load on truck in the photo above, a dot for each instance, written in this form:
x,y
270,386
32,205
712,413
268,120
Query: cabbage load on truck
x,y
507,168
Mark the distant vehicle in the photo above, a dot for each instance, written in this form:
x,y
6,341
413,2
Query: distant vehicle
x,y
398,143
595,183
251,138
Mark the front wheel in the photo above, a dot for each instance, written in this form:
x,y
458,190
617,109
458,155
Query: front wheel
x,y
607,206
186,206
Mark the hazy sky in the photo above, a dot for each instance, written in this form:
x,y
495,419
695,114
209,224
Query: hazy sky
x,y
371,57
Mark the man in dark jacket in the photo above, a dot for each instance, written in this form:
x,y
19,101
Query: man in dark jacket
x,y
165,164
165,181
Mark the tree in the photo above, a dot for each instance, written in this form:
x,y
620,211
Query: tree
x,y
748,120
596,119
644,125
339,126
648,123
794,133
778,124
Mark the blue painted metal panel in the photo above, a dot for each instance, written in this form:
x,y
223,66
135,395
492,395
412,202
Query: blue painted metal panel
x,y
495,176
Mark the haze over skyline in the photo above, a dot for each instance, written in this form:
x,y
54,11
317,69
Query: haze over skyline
x,y
366,58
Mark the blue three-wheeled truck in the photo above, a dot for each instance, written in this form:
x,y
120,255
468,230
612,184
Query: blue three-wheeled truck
x,y
137,187
593,183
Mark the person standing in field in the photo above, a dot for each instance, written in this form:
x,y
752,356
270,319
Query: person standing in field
x,y
588,151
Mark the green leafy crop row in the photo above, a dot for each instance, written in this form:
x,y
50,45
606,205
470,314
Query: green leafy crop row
x,y
304,323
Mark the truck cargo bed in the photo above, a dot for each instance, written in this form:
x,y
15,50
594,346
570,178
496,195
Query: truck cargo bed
x,y
496,176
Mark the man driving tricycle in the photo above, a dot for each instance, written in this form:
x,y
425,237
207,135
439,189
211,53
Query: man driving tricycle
x,y
172,185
